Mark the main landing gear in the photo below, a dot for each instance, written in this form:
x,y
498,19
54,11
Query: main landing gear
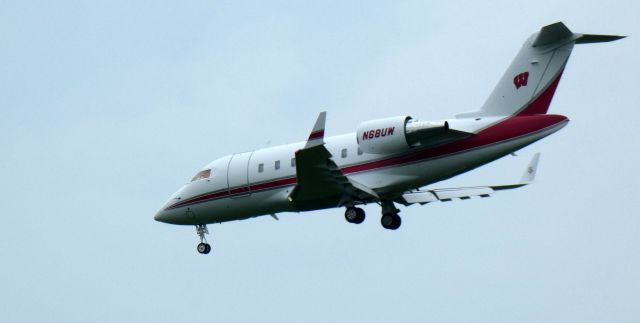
x,y
203,246
390,219
354,215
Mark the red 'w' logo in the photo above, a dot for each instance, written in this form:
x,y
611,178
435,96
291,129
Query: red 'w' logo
x,y
521,80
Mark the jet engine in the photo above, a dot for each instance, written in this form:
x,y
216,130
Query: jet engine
x,y
391,135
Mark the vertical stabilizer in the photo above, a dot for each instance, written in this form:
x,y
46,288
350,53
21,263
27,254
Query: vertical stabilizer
x,y
529,83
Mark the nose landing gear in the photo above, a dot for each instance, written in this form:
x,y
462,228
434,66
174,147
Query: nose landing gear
x,y
203,246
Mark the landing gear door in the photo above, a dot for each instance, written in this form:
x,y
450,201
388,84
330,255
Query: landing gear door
x,y
238,175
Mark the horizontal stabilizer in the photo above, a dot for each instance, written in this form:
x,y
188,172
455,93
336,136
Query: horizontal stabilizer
x,y
589,38
557,32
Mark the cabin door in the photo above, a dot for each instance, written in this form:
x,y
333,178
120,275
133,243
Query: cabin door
x,y
238,175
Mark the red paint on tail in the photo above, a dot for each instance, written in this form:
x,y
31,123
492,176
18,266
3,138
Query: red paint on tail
x,y
540,105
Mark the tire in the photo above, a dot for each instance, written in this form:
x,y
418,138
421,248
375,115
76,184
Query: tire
x,y
206,252
391,221
351,215
203,248
387,221
360,216
397,221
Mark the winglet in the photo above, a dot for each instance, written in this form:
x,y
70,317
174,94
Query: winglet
x,y
530,174
316,138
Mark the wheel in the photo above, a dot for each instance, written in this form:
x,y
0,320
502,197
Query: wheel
x,y
397,221
391,221
354,215
387,220
351,214
360,216
203,248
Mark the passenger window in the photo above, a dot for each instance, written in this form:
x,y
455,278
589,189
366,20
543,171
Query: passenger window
x,y
344,153
359,151
202,175
277,165
260,168
293,162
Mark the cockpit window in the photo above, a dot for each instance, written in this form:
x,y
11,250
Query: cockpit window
x,y
202,175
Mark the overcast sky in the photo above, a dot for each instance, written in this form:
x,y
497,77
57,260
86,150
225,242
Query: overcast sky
x,y
107,107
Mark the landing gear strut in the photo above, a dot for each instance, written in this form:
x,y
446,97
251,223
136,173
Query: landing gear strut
x,y
354,215
390,219
203,246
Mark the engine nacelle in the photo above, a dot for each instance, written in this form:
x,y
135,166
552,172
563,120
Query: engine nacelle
x,y
383,136
391,135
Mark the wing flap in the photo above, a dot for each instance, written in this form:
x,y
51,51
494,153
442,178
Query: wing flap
x,y
420,197
448,194
464,193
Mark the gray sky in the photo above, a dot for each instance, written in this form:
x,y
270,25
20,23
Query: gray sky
x,y
107,107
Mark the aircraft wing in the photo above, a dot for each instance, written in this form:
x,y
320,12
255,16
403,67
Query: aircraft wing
x,y
321,183
464,193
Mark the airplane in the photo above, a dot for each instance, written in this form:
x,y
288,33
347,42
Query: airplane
x,y
386,161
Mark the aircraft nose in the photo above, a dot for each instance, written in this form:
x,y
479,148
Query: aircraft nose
x,y
161,216
166,214
172,217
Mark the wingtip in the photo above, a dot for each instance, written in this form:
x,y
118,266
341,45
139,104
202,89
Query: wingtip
x,y
317,132
530,173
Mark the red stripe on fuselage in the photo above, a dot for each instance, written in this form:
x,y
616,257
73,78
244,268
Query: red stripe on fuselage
x,y
236,191
508,129
276,183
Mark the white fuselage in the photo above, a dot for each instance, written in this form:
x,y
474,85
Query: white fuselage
x,y
258,183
